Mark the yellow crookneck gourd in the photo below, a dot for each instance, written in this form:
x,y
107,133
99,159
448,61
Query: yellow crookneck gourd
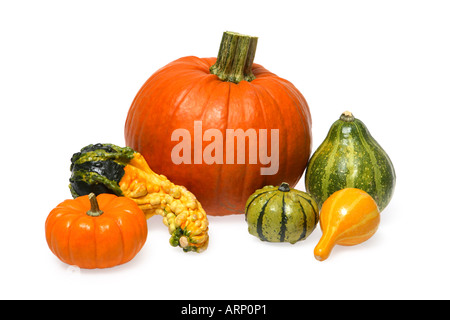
x,y
106,168
349,217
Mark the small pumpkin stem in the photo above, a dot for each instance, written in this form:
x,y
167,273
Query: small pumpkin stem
x,y
235,58
95,210
284,187
347,116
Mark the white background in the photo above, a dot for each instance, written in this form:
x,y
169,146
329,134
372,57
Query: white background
x,y
69,71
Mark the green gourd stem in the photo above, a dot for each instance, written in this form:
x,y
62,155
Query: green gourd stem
x,y
284,187
347,116
235,58
95,210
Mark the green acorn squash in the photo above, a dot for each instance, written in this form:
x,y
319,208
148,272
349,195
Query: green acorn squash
x,y
350,157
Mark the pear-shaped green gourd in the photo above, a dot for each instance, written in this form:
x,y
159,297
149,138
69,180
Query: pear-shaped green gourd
x,y
349,157
281,214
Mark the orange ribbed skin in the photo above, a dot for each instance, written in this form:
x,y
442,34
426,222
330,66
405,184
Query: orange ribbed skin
x,y
185,91
109,239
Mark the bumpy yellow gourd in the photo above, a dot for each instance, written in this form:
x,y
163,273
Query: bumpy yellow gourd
x,y
348,217
155,194
107,168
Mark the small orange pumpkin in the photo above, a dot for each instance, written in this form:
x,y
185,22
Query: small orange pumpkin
x,y
349,217
96,232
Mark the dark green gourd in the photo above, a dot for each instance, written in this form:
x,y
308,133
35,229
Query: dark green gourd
x,y
349,157
281,214
98,168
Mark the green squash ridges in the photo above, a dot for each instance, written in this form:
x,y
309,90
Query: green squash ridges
x,y
253,198
259,227
280,214
283,220
350,157
313,206
303,234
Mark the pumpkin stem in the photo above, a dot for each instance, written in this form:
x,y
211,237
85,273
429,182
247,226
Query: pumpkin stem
x,y
95,210
235,59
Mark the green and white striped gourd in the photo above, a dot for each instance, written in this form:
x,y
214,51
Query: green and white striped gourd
x,y
281,214
349,157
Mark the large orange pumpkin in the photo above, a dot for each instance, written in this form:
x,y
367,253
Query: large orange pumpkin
x,y
229,92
